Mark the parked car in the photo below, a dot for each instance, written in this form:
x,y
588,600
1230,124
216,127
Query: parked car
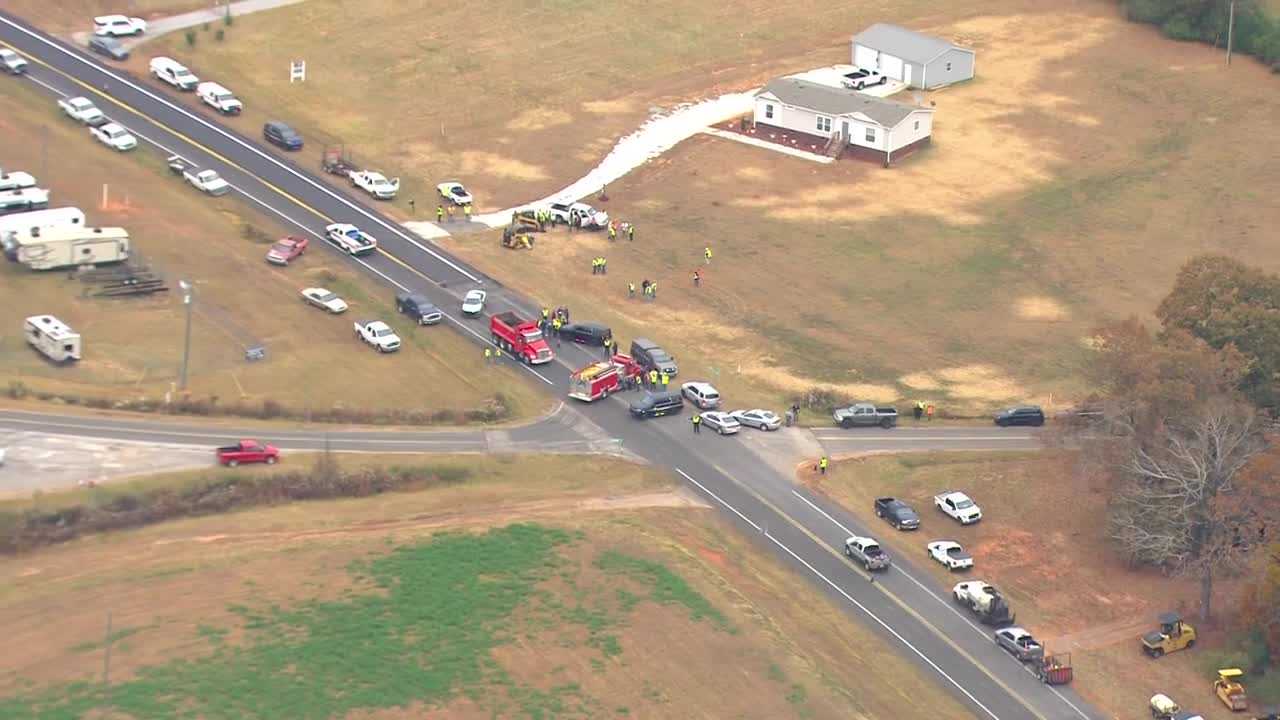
x,y
650,356
11,62
378,334
375,183
114,136
1019,643
863,78
473,302
206,181
759,419
174,73
950,554
219,98
109,47
247,451
721,422
418,307
117,25
865,415
83,110
350,239
1020,415
657,404
867,551
281,135
287,249
897,513
324,299
702,395
958,506
586,333
454,192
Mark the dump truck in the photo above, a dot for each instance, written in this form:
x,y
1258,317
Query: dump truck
x,y
522,338
601,379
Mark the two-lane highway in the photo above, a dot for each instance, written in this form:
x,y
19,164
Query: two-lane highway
x,y
903,607
911,437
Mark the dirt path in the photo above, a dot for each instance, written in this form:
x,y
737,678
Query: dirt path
x,y
488,516
1105,635
163,26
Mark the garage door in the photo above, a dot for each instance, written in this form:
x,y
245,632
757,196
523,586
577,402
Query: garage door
x,y
864,57
891,66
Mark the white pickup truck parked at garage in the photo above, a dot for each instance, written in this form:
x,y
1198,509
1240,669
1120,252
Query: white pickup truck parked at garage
x,y
219,98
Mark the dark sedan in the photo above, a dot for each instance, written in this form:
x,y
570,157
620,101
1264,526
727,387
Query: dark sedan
x,y
1020,415
109,47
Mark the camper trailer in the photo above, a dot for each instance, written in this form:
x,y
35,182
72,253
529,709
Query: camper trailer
x,y
27,224
22,200
52,338
61,247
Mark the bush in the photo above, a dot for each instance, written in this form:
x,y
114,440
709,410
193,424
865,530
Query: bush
x,y
17,389
190,35
256,234
220,35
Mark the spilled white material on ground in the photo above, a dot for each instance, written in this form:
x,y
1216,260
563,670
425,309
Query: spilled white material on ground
x,y
657,135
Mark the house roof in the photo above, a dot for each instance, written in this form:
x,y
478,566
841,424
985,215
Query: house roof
x,y
901,42
835,101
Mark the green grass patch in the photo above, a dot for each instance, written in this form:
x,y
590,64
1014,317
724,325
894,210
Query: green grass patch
x,y
667,588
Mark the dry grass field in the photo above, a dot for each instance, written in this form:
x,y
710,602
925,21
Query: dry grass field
x,y
133,347
66,16
1064,581
543,596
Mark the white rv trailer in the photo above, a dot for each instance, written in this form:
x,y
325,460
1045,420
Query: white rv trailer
x,y
28,223
23,199
62,247
52,338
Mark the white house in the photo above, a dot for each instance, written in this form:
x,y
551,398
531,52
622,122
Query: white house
x,y
870,126
920,61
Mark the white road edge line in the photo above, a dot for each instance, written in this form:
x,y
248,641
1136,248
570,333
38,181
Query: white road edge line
x,y
846,596
950,438
935,596
153,432
266,156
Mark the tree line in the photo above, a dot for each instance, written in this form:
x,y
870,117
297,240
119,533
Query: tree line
x,y
1257,32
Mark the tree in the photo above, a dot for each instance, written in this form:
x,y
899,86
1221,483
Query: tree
x,y
1228,304
1179,504
1261,606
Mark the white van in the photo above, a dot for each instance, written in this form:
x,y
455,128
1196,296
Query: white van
x,y
219,98
52,338
174,73
23,225
62,247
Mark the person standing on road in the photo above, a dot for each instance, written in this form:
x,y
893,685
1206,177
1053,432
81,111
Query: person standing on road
x,y
466,210
697,278
706,254
653,379
928,411
666,380
631,290
631,232
488,356
918,410
822,465
604,266
555,328
697,423
439,213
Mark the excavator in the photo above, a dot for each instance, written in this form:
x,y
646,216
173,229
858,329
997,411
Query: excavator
x,y
516,240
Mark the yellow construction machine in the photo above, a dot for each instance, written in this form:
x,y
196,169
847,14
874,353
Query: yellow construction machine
x,y
1174,634
1229,689
516,240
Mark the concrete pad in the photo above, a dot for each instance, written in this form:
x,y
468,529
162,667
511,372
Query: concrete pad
x,y
784,449
37,461
775,147
833,75
427,230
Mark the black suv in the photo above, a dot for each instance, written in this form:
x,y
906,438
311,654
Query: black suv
x,y
418,307
650,356
281,135
1021,415
657,404
586,333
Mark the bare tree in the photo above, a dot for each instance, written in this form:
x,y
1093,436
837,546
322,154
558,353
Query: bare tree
x,y
1179,504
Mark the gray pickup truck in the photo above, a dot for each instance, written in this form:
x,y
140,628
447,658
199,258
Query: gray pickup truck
x,y
865,415
868,552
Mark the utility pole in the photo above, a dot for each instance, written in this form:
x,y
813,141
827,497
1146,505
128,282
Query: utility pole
x,y
188,293
1231,26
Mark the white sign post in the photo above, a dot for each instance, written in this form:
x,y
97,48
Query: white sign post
x,y
297,71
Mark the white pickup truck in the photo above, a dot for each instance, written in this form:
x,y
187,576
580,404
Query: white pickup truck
x,y
580,214
82,110
378,334
863,78
219,98
375,183
11,62
16,180
350,239
174,73
958,506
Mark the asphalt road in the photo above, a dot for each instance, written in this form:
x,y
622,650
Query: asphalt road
x,y
907,609
910,438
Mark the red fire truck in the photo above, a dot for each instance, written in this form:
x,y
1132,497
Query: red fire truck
x,y
599,379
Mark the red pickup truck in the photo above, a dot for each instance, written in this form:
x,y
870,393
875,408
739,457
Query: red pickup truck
x,y
247,451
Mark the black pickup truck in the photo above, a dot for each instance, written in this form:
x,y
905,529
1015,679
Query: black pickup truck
x,y
898,514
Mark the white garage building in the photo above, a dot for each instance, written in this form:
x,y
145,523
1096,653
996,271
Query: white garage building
x,y
868,126
920,61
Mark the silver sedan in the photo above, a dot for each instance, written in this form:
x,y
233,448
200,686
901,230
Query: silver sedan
x,y
757,418
721,422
